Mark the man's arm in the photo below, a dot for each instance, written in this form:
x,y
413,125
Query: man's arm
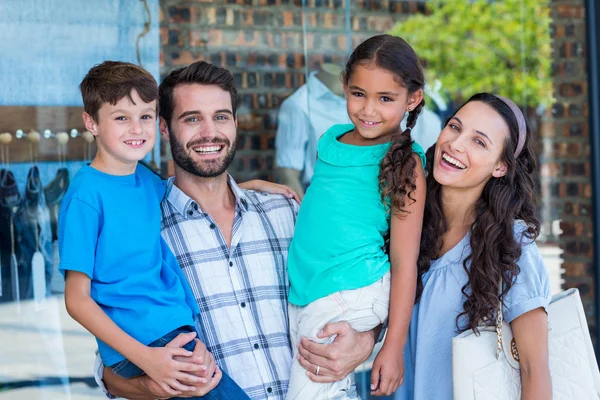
x,y
134,388
270,187
340,358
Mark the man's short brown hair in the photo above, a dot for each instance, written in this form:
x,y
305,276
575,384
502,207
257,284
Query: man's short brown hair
x,y
110,81
201,73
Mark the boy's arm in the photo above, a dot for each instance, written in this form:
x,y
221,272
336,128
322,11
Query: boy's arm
x,y
405,238
158,363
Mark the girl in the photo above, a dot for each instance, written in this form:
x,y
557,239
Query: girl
x,y
368,182
479,229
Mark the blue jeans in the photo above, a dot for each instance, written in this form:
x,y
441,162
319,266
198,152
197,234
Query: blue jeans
x,y
226,389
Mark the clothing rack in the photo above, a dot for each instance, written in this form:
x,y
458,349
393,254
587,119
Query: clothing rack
x,y
45,134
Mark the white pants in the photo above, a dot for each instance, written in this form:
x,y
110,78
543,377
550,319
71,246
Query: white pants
x,y
363,309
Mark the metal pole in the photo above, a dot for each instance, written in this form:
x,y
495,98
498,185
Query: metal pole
x,y
592,16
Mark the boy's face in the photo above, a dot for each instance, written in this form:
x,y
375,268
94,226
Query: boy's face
x,y
125,132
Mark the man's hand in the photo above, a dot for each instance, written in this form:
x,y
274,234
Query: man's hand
x,y
338,359
388,371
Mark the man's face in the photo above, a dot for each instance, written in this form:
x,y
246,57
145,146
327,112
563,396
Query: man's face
x,y
202,131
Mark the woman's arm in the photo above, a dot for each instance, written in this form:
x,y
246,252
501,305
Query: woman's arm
x,y
405,240
530,331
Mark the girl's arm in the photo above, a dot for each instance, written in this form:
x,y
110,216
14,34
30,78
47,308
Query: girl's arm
x,y
270,187
405,240
156,362
530,331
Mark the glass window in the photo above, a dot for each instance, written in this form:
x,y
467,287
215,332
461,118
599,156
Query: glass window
x,y
287,58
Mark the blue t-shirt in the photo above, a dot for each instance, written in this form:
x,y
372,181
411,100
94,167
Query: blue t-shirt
x,y
109,229
428,351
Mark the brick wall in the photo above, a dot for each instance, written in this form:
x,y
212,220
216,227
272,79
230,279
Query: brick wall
x,y
262,43
567,156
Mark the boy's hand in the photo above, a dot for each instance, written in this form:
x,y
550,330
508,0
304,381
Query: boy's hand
x,y
388,371
159,364
198,383
158,392
208,368
204,389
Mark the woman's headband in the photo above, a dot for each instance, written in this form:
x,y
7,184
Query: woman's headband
x,y
520,123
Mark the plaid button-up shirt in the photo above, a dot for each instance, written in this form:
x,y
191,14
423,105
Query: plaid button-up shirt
x,y
241,289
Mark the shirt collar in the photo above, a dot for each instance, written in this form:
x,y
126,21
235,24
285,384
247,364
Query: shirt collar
x,y
317,89
187,207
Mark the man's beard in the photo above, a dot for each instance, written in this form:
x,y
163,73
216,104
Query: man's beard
x,y
207,169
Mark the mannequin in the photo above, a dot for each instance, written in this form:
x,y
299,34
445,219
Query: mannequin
x,y
303,118
331,76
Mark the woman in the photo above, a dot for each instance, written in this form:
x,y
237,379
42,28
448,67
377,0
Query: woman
x,y
479,230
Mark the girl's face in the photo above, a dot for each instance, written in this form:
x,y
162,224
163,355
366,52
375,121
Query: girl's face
x,y
377,102
469,148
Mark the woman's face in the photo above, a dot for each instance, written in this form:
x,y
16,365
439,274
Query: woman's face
x,y
469,148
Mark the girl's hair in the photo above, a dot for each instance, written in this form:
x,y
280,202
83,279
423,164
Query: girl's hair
x,y
494,247
397,170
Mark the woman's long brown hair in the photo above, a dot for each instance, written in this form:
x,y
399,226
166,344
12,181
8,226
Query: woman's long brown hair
x,y
495,249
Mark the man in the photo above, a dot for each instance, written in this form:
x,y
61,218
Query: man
x,y
232,246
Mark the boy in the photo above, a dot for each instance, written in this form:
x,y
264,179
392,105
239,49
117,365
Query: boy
x,y
123,283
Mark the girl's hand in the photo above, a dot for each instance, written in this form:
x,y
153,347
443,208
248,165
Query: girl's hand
x,y
388,371
270,187
159,363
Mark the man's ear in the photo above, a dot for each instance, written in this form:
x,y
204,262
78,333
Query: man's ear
x,y
499,170
163,127
90,124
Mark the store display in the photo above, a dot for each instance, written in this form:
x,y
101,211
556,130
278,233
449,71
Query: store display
x,y
30,194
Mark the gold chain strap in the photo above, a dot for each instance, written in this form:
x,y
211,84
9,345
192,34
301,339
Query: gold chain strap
x,y
499,319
